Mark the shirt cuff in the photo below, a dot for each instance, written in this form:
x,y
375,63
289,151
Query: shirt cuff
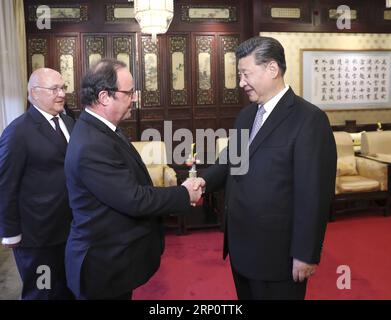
x,y
12,240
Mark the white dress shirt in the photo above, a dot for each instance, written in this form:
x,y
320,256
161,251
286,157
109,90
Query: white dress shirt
x,y
271,104
105,121
49,117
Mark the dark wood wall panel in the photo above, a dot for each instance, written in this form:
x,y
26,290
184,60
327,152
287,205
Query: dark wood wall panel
x,y
314,16
152,114
188,75
167,73
94,49
37,52
205,123
179,113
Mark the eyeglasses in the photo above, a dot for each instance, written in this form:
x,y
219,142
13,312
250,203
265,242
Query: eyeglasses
x,y
129,93
55,90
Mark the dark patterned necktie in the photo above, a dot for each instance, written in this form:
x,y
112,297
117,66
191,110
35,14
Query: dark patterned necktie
x,y
59,131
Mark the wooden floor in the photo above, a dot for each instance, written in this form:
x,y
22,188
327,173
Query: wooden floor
x,y
10,284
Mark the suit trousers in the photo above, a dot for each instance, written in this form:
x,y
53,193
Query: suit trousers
x,y
252,289
28,261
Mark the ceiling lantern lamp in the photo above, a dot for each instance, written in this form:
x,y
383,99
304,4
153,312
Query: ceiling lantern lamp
x,y
154,16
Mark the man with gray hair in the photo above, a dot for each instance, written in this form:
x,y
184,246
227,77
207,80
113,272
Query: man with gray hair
x,y
34,212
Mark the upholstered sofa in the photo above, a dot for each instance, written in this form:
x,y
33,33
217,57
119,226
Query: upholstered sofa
x,y
377,144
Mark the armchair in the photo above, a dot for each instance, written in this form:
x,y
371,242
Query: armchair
x,y
154,156
358,178
377,144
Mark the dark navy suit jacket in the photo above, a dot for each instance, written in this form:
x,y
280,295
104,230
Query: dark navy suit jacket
x,y
33,194
116,237
279,209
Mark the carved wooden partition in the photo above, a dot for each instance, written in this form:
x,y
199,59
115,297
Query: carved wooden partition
x,y
188,76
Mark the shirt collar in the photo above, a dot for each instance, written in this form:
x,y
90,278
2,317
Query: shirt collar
x,y
105,121
47,116
271,104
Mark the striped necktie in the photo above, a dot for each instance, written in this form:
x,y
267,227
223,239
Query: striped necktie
x,y
257,124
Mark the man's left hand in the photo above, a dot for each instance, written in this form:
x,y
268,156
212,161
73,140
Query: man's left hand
x,y
302,270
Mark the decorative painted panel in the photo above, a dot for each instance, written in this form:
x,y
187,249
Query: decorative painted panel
x,y
285,13
196,13
150,67
179,70
229,85
61,13
66,55
37,53
123,50
94,50
120,12
204,54
335,14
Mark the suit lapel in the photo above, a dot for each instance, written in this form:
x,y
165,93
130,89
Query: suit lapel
x,y
69,123
129,148
279,113
46,129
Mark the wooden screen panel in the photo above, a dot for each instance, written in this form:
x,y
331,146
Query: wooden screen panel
x,y
66,53
205,55
94,49
38,53
123,50
229,84
151,76
179,70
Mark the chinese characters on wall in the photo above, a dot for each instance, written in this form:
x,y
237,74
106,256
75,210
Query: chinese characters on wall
x,y
342,79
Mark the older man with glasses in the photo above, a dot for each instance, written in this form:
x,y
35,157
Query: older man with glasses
x,y
34,211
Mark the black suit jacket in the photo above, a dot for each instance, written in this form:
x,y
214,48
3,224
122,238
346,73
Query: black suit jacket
x,y
116,237
33,194
279,209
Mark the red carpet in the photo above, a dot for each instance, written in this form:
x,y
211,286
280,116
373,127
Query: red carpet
x,y
192,267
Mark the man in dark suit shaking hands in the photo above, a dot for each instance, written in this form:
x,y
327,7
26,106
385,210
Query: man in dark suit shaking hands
x,y
116,237
34,212
276,213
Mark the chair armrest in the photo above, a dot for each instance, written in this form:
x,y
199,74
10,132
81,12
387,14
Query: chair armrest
x,y
170,178
373,170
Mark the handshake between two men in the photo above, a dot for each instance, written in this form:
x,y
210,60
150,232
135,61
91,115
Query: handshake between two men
x,y
195,187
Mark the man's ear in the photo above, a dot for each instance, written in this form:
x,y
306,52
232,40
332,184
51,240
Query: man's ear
x,y
33,94
103,97
274,69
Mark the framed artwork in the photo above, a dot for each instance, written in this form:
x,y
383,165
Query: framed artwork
x,y
346,79
194,13
62,13
120,12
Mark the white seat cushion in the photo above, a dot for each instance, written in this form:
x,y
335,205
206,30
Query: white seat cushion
x,y
348,184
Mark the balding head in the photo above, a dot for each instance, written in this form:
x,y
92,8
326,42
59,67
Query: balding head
x,y
46,90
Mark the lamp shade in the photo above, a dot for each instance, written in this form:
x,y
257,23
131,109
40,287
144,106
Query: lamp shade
x,y
154,16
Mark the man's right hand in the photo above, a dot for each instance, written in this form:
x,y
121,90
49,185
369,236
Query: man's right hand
x,y
194,193
199,183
